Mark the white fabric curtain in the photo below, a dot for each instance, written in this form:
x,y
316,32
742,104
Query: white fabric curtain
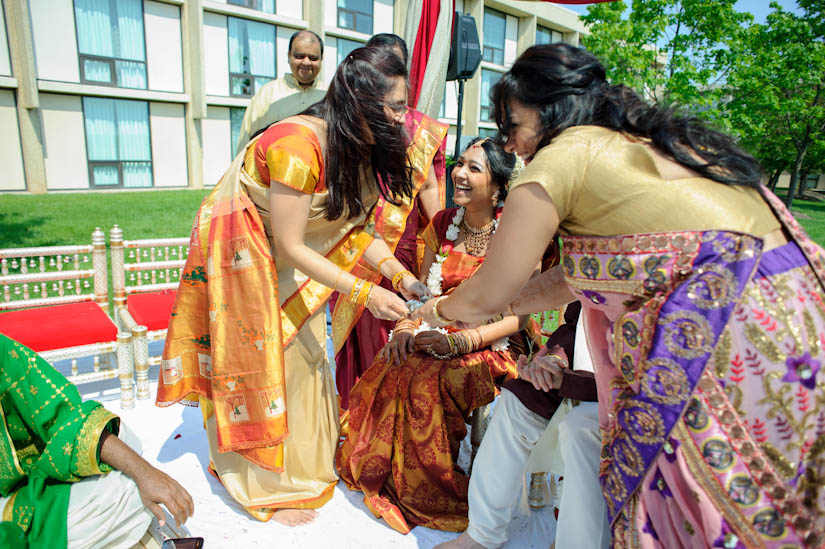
x,y
261,48
133,142
101,140
118,129
130,75
237,38
97,71
94,27
130,30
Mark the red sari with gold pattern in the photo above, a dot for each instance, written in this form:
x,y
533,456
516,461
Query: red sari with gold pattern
x,y
406,421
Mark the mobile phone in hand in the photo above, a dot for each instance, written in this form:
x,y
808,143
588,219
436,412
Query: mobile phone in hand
x,y
183,543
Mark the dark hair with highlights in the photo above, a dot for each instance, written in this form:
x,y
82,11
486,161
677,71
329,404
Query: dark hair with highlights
x,y
389,40
499,162
567,86
359,135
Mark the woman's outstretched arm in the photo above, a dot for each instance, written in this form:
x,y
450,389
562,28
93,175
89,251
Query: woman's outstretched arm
x,y
528,223
289,212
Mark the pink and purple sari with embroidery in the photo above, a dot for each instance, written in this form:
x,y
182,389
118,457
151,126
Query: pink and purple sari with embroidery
x,y
710,356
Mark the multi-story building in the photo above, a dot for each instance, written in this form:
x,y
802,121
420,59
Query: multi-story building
x,y
111,94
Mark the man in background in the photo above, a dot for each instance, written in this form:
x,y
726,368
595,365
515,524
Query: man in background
x,y
290,94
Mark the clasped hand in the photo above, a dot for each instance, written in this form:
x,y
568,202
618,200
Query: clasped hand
x,y
544,371
386,305
405,343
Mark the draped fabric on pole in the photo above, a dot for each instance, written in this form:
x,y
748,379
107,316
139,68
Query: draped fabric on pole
x,y
427,32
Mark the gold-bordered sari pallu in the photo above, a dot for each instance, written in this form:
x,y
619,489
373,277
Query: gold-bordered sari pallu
x,y
708,385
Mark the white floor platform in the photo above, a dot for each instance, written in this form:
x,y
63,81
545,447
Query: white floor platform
x,y
174,441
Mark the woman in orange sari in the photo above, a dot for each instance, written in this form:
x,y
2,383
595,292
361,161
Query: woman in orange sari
x,y
282,229
409,409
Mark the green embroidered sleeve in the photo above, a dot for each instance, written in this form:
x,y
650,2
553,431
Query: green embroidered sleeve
x,y
68,429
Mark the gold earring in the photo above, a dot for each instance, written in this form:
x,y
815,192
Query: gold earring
x,y
494,199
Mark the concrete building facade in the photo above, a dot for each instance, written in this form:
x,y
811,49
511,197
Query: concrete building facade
x,y
149,94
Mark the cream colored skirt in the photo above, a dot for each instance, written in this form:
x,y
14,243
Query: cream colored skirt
x,y
309,477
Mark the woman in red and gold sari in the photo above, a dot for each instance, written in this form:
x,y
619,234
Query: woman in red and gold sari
x,y
408,411
703,299
282,229
357,335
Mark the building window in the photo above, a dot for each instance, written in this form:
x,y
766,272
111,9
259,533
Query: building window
x,y
355,15
545,35
488,132
118,147
488,79
345,46
495,27
266,6
110,42
235,120
251,56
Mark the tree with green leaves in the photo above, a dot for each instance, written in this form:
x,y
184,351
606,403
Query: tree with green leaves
x,y
671,51
777,90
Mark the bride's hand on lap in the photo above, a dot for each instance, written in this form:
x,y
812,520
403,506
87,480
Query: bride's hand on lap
x,y
385,305
432,341
401,345
412,288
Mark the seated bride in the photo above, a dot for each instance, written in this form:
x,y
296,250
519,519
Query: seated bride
x,y
409,410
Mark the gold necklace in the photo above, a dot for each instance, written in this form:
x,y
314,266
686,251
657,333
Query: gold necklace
x,y
476,238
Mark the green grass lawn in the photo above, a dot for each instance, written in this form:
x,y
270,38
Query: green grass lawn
x,y
811,215
69,218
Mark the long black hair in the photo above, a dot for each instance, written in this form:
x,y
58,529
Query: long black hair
x,y
567,86
359,134
499,162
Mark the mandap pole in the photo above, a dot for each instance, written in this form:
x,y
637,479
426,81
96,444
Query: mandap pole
x,y
456,150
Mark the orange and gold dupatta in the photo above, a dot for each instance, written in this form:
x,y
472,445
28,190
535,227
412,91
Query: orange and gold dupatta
x,y
428,138
227,334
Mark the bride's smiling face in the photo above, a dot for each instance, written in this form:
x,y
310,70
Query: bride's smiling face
x,y
471,179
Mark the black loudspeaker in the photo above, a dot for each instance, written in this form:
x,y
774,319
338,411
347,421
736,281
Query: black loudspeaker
x,y
465,51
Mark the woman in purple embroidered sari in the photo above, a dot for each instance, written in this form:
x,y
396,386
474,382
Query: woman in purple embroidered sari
x,y
704,304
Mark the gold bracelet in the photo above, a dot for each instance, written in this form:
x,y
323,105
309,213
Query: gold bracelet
x,y
378,267
453,347
356,289
437,315
364,295
399,276
338,279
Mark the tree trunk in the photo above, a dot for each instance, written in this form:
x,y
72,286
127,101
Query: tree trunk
x,y
803,184
774,179
794,178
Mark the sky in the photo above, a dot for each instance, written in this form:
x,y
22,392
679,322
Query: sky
x,y
759,8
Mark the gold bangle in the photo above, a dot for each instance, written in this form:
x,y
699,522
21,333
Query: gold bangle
x,y
364,294
356,289
399,276
437,315
453,346
378,267
338,279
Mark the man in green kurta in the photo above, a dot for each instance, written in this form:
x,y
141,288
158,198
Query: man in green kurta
x,y
53,446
